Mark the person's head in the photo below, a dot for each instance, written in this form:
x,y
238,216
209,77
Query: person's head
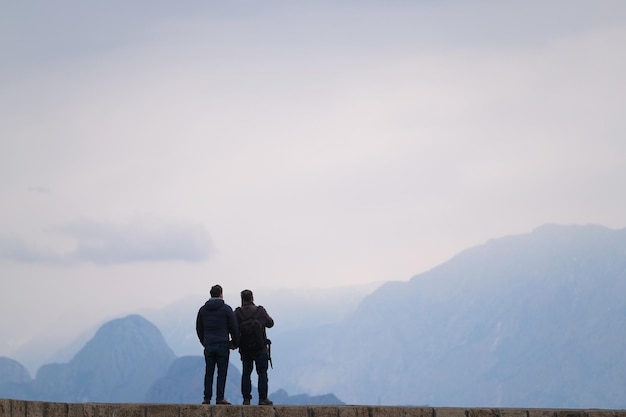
x,y
216,291
246,296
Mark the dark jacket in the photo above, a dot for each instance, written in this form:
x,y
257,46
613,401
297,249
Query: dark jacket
x,y
248,309
215,322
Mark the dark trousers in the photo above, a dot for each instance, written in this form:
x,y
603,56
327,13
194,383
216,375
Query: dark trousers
x,y
249,361
216,354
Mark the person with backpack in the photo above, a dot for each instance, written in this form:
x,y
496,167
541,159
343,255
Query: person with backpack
x,y
217,330
252,321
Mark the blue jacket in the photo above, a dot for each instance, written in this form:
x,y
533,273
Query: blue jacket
x,y
215,322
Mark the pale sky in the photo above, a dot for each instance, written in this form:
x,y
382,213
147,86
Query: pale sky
x,y
151,149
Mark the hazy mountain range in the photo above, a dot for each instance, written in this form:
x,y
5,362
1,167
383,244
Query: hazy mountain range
x,y
535,320
127,360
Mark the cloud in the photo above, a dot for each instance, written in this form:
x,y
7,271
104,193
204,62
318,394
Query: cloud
x,y
108,243
16,249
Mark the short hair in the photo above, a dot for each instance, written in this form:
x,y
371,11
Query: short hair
x,y
216,291
246,296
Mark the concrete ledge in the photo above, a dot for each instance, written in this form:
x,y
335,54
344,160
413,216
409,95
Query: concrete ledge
x,y
18,408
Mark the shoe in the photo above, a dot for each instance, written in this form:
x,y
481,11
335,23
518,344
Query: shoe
x,y
206,402
222,402
265,401
246,402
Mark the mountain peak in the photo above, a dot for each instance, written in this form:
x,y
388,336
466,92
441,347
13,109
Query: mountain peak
x,y
535,319
118,364
12,371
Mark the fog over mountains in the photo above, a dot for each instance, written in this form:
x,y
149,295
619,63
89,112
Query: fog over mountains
x,y
531,320
118,364
535,320
127,361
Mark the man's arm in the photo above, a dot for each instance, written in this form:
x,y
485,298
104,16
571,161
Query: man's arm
x,y
233,329
267,320
200,328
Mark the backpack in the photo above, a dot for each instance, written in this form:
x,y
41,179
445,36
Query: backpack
x,y
251,335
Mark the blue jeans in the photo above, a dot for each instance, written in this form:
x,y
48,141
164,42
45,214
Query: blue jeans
x,y
249,361
216,354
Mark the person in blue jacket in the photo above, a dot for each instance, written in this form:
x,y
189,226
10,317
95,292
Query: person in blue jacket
x,y
217,330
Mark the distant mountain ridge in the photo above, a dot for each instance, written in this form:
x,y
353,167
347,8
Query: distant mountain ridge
x,y
12,372
14,379
118,364
127,360
529,320
184,383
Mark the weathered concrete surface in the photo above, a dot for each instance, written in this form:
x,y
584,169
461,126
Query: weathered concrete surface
x,y
18,408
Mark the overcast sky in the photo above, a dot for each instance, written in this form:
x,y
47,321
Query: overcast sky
x,y
150,149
